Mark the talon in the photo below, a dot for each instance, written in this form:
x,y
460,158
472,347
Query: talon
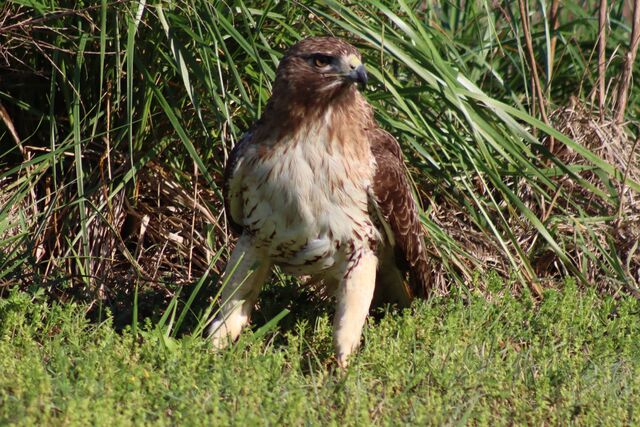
x,y
343,361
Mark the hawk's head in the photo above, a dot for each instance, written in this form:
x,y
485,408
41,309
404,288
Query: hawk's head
x,y
319,68
316,75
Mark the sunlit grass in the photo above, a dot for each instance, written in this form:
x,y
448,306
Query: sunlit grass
x,y
462,359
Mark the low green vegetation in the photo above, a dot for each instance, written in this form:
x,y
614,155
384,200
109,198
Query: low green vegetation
x,y
573,358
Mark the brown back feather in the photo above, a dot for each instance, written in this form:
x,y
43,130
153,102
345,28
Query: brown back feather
x,y
395,202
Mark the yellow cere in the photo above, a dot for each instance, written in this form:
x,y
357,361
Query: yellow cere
x,y
353,61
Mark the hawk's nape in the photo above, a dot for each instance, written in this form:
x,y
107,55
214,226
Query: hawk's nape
x,y
318,189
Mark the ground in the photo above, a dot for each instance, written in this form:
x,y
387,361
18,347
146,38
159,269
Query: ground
x,y
464,358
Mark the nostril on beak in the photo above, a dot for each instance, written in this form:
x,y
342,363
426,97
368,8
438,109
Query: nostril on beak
x,y
358,74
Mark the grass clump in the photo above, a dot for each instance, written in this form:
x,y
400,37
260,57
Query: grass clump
x,y
572,358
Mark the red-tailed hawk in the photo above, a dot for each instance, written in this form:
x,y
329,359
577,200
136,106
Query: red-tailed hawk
x,y
319,189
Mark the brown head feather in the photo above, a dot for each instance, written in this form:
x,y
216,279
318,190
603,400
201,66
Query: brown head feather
x,y
302,92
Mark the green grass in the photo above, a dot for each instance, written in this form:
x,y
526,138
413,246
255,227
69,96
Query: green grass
x,y
573,358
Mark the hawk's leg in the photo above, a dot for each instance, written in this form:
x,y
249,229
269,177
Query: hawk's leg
x,y
354,296
244,275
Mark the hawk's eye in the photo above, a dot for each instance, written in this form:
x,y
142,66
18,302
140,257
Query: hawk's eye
x,y
321,61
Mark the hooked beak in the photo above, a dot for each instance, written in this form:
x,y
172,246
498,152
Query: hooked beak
x,y
358,75
355,71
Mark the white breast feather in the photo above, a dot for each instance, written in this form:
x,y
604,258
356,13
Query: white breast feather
x,y
303,198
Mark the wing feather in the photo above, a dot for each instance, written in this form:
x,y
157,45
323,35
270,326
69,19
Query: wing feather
x,y
232,200
399,211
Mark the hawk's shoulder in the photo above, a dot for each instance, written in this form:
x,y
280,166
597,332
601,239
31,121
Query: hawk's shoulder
x,y
399,211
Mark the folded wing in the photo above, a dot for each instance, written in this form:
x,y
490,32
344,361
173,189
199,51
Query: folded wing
x,y
405,252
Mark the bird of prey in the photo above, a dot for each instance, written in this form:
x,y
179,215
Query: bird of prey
x,y
317,188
